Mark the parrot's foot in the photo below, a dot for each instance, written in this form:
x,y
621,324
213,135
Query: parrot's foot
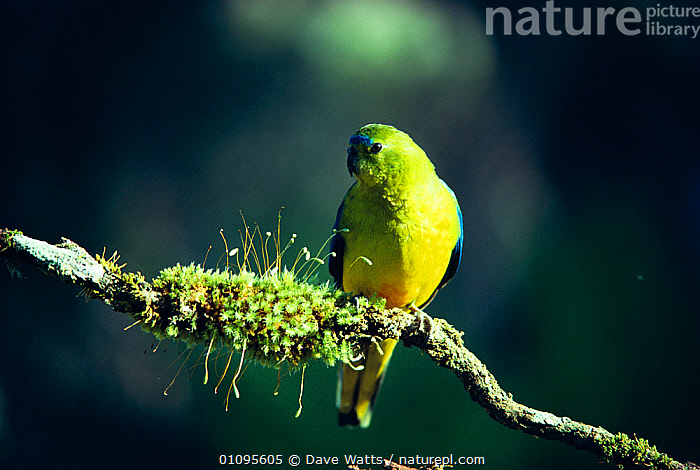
x,y
425,323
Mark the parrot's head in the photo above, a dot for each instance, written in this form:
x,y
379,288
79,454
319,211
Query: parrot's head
x,y
383,155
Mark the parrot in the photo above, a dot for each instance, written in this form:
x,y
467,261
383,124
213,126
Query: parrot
x,y
398,234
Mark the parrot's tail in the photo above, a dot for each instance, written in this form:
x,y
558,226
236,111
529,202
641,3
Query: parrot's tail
x,y
359,383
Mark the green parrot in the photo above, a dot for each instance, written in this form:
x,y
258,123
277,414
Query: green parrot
x,y
398,234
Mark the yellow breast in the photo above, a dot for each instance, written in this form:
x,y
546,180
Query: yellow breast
x,y
399,248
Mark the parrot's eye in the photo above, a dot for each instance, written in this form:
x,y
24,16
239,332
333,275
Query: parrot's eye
x,y
375,148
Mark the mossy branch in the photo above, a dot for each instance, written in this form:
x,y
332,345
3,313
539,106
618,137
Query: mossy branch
x,y
279,319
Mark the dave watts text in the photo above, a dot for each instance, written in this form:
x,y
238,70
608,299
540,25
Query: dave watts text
x,y
418,460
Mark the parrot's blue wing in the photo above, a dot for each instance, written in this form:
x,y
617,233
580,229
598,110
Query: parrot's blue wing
x,y
455,257
335,263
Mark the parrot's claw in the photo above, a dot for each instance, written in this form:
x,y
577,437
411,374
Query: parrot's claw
x,y
425,323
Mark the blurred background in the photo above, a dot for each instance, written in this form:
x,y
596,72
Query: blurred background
x,y
145,127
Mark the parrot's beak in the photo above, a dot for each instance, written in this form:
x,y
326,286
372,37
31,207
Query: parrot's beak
x,y
352,159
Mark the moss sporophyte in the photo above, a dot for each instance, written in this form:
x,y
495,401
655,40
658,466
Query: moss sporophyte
x,y
273,315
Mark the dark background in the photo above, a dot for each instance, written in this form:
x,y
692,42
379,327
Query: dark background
x,y
146,127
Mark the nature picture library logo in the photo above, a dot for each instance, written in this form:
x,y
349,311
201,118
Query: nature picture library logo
x,y
659,20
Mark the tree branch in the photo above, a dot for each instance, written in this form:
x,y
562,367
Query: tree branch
x,y
280,319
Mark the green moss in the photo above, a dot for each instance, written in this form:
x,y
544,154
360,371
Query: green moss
x,y
634,451
282,319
